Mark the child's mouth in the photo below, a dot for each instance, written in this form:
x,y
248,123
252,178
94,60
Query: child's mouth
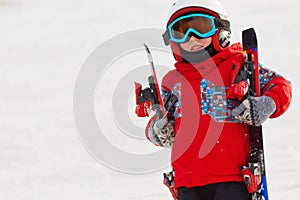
x,y
196,47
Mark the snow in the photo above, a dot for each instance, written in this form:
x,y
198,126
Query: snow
x,y
43,47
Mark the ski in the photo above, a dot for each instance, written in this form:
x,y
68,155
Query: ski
x,y
150,97
254,173
153,83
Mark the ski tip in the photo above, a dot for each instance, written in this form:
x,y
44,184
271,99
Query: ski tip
x,y
249,38
148,54
147,48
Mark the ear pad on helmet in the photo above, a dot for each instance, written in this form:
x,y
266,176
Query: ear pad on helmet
x,y
221,39
224,38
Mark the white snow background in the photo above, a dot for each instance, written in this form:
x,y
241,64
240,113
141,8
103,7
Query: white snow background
x,y
43,45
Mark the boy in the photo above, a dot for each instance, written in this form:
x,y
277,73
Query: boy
x,y
207,128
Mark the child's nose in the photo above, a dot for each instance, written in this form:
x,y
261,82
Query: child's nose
x,y
194,38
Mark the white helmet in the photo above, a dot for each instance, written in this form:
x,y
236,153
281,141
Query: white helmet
x,y
221,38
212,5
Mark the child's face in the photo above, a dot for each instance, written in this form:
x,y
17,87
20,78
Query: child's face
x,y
195,44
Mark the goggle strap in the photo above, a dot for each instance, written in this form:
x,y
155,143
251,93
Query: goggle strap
x,y
166,37
222,24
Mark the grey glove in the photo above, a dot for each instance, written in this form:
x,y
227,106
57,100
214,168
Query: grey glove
x,y
161,132
254,110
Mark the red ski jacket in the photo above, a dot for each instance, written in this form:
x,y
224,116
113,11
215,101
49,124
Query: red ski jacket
x,y
210,146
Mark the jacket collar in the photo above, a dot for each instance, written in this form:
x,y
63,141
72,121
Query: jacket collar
x,y
200,70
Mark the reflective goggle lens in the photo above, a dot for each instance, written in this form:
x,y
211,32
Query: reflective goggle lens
x,y
201,25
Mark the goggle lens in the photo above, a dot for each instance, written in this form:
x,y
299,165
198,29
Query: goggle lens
x,y
199,24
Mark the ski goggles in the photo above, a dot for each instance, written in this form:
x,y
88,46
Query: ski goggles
x,y
201,25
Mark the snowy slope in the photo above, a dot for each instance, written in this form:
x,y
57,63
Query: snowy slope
x,y
43,47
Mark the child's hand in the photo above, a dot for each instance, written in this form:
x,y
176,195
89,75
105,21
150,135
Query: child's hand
x,y
159,124
254,110
163,131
